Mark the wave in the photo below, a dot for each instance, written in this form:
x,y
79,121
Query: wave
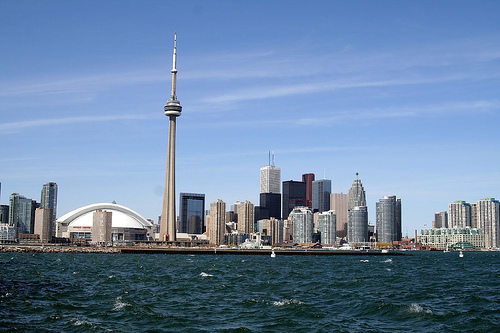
x,y
203,274
417,308
119,304
288,302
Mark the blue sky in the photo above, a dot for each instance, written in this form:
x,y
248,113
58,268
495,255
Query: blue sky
x,y
404,92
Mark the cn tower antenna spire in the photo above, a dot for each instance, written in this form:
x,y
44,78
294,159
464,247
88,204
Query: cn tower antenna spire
x,y
173,96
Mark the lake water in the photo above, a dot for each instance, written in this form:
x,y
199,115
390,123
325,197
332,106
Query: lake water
x,y
425,292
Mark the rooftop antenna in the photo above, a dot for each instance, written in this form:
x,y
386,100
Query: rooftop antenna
x,y
269,161
273,158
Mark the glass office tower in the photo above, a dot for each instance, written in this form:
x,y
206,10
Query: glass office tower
x,y
192,213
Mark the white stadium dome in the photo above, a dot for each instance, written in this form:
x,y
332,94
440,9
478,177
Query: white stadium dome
x,y
122,217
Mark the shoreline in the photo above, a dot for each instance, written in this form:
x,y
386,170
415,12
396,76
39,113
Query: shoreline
x,y
191,251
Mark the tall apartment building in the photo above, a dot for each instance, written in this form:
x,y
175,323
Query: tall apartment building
x,y
217,225
49,200
308,178
246,217
321,190
388,219
43,224
440,220
357,225
326,225
102,222
302,225
489,221
191,213
22,213
338,203
294,195
459,214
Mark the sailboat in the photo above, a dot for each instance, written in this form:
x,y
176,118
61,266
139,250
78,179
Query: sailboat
x,y
446,251
273,255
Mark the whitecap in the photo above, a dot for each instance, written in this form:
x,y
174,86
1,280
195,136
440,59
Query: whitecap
x,y
287,302
417,308
111,277
119,304
388,260
203,274
364,260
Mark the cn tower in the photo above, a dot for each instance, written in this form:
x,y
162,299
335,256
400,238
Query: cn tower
x,y
172,111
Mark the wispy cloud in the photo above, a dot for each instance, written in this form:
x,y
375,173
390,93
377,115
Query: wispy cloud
x,y
13,127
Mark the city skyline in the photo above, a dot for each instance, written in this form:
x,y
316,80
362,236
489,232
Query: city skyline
x,y
404,97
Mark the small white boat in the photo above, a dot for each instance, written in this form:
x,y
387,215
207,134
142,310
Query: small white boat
x,y
461,255
273,255
447,250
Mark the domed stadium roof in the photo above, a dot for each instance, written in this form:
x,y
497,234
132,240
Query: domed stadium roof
x,y
122,217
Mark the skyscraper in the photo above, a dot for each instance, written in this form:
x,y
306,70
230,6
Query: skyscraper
x,y
49,200
303,225
191,213
102,221
321,190
217,225
22,213
356,194
308,178
459,215
441,220
388,219
271,203
357,225
294,194
338,203
246,217
327,227
172,110
270,178
488,216
43,221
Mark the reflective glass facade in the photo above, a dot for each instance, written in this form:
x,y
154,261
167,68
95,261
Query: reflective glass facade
x,y
192,213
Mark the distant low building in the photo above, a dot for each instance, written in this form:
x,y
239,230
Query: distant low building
x,y
442,238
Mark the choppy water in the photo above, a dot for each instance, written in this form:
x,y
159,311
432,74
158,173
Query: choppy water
x,y
427,292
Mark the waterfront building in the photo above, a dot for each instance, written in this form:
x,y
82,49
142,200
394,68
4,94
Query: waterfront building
x,y
440,220
443,238
101,227
459,215
7,233
321,190
270,179
326,226
22,213
357,197
44,224
473,215
302,225
246,217
338,203
388,210
127,225
4,214
357,225
172,110
489,221
191,213
294,195
49,200
217,226
308,178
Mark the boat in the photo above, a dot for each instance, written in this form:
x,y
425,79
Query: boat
x,y
461,255
446,251
273,255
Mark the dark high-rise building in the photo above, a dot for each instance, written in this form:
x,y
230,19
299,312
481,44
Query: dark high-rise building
x,y
321,190
22,213
388,219
4,214
49,200
271,202
294,194
192,213
308,178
